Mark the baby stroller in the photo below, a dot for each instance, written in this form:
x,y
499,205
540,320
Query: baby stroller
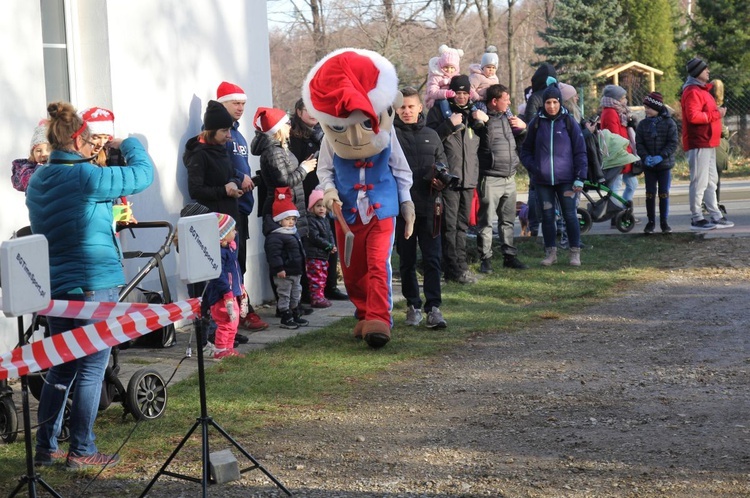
x,y
145,397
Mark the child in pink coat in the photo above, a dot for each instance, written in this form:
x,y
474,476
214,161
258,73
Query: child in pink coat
x,y
484,75
441,69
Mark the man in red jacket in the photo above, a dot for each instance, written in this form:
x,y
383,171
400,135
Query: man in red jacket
x,y
701,132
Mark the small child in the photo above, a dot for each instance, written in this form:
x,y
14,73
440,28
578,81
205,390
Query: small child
x,y
319,244
441,70
483,75
23,168
224,293
286,256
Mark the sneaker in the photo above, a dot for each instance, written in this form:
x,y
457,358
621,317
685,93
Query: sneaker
x,y
297,317
723,222
287,320
44,459
702,225
228,353
76,462
305,309
253,323
321,303
514,263
467,277
241,339
649,228
665,228
435,319
486,266
413,316
209,349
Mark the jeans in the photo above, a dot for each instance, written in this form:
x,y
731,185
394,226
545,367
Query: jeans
x,y
657,182
497,202
457,207
87,373
567,198
631,183
431,252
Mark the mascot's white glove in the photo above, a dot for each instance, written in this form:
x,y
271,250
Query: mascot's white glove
x,y
230,310
330,196
407,211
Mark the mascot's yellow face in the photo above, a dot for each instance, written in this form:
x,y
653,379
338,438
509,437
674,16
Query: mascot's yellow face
x,y
359,141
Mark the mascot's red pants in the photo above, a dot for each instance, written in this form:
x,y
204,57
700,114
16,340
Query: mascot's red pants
x,y
368,277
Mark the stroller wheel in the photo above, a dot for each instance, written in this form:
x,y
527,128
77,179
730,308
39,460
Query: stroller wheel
x,y
584,220
147,394
625,221
8,420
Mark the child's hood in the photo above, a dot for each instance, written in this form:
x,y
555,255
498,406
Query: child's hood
x,y
261,141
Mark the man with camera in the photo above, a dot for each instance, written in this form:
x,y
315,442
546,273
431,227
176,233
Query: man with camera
x,y
455,120
423,150
498,161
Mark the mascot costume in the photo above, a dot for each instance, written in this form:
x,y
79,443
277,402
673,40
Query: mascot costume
x,y
353,93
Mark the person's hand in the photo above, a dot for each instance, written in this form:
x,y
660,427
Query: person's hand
x,y
310,165
230,310
232,190
656,160
449,94
577,186
330,196
281,274
247,183
722,111
480,115
517,123
407,211
115,143
334,249
456,119
589,126
648,161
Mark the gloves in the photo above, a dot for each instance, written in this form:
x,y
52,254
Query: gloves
x,y
230,310
578,184
244,304
656,160
330,196
409,215
449,94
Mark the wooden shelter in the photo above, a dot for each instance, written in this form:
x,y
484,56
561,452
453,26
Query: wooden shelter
x,y
635,66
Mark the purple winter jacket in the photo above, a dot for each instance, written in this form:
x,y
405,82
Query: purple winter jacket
x,y
551,154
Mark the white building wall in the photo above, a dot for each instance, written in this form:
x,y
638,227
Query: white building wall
x,y
156,64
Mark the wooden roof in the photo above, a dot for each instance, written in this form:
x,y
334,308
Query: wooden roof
x,y
634,65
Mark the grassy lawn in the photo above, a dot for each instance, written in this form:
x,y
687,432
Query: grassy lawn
x,y
273,386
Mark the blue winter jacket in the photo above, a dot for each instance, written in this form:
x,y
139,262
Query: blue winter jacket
x,y
71,205
554,151
229,281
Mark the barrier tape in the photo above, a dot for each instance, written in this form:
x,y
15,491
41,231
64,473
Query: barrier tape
x,y
122,322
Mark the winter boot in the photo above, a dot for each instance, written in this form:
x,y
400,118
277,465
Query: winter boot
x,y
575,256
287,320
550,256
297,316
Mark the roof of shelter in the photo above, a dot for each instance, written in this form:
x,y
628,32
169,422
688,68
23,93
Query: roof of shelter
x,y
632,65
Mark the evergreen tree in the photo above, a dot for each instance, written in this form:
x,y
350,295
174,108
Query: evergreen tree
x,y
584,37
721,36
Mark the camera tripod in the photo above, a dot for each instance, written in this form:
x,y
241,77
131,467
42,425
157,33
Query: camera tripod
x,y
204,422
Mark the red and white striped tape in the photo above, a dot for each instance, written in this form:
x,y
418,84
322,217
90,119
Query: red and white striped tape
x,y
122,322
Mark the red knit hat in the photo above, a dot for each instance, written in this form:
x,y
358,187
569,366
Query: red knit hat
x,y
283,204
229,91
349,86
269,120
101,121
226,224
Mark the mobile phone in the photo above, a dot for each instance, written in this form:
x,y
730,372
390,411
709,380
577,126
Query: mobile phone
x,y
314,155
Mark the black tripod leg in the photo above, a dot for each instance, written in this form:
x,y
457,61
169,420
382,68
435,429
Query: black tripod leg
x,y
163,468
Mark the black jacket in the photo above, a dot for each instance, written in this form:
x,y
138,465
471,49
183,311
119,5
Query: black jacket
x,y
320,239
657,137
209,169
423,148
304,142
460,143
279,168
538,85
498,149
284,250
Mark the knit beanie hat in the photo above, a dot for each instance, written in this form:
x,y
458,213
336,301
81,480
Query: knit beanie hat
x,y
552,92
655,101
567,91
216,117
490,56
315,196
229,91
460,83
226,224
449,57
193,209
100,121
614,91
269,120
40,134
283,204
695,67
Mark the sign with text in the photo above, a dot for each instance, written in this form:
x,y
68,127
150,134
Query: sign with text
x,y
24,275
200,253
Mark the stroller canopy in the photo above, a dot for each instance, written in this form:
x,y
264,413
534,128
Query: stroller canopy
x,y
614,150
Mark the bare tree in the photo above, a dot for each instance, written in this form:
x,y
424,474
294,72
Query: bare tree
x,y
315,26
486,14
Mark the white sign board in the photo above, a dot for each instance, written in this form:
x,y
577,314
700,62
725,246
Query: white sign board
x,y
200,252
24,275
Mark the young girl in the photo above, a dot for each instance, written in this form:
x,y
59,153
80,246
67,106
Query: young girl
x,y
223,294
617,118
441,69
23,168
483,75
319,245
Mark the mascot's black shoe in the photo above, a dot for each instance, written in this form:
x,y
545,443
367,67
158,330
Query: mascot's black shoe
x,y
377,333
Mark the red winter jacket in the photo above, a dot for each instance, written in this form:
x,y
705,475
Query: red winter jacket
x,y
701,121
610,120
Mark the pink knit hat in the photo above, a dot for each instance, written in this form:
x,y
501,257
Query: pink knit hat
x,y
315,196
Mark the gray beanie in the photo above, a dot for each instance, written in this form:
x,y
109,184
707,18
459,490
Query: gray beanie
x,y
695,67
614,91
490,56
40,134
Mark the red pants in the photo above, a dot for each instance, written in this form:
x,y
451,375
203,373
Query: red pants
x,y
226,329
368,277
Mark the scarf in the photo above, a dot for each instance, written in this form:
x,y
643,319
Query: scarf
x,y
622,109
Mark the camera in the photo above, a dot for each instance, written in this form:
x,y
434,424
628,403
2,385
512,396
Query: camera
x,y
444,179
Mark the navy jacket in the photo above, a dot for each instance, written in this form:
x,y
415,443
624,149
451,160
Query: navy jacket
x,y
238,153
230,280
657,136
284,250
320,239
551,153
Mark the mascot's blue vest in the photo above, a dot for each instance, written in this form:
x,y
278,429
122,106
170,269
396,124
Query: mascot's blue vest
x,y
379,185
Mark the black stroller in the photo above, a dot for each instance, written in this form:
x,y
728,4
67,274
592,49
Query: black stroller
x,y
145,397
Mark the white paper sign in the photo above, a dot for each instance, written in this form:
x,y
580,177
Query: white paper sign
x,y
200,252
24,275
